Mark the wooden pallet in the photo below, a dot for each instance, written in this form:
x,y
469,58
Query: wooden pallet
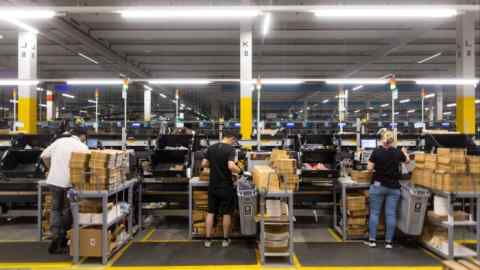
x,y
470,264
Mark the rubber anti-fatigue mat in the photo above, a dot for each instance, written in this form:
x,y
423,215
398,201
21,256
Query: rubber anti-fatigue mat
x,y
187,253
357,254
26,252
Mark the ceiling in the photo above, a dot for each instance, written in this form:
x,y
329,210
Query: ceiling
x,y
298,46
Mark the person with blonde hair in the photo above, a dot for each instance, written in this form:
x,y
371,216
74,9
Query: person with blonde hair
x,y
385,164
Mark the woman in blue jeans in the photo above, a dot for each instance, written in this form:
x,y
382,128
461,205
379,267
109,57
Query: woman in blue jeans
x,y
385,163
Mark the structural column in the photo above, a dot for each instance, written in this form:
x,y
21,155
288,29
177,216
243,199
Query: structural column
x,y
246,85
50,102
147,105
27,94
466,69
439,104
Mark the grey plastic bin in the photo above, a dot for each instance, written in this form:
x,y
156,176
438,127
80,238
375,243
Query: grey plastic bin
x,y
413,206
247,206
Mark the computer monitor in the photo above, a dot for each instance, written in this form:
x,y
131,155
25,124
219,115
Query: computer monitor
x,y
290,125
136,125
236,125
368,143
92,143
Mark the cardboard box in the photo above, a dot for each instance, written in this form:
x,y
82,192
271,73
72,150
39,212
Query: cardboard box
x,y
428,178
357,221
265,178
357,213
285,166
419,157
279,154
417,176
455,168
361,176
96,218
91,242
431,161
204,174
356,202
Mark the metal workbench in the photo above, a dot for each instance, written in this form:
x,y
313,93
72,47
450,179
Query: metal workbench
x,y
450,224
344,186
103,195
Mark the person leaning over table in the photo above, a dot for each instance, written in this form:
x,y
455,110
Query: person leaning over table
x,y
385,163
57,158
220,159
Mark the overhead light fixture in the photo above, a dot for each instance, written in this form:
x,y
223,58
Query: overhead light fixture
x,y
280,81
122,75
357,88
429,58
83,111
427,109
39,89
187,13
13,101
356,111
384,114
451,105
267,21
180,81
43,105
405,100
410,111
92,101
163,95
477,101
447,113
371,108
384,105
429,96
390,12
147,87
68,96
13,82
396,113
26,13
21,25
356,81
174,101
95,82
325,101
88,58
473,81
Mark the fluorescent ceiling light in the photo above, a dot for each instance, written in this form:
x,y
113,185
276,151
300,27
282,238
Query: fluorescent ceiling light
x,y
447,81
174,101
83,111
477,101
13,82
26,13
267,21
180,81
429,96
95,82
356,111
405,100
451,105
356,81
396,113
122,75
447,113
281,81
39,89
92,101
385,12
163,95
410,111
68,96
427,109
13,101
357,88
325,101
384,105
88,58
21,25
429,58
384,114
187,13
43,105
147,87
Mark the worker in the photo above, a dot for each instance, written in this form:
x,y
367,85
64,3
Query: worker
x,y
57,158
220,158
385,164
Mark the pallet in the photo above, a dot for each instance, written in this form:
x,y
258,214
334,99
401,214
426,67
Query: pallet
x,y
461,265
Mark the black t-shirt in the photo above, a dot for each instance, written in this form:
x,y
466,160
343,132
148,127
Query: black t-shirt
x,y
387,166
218,156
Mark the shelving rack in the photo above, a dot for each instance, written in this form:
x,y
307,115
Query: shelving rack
x,y
103,195
274,222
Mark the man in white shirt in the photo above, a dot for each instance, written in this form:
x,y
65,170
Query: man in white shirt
x,y
57,158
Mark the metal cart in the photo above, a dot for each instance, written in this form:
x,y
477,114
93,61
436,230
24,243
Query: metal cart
x,y
344,187
103,195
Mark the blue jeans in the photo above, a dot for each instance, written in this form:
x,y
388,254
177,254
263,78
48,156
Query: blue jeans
x,y
378,194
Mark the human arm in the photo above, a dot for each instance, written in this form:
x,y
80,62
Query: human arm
x,y
372,160
231,163
47,154
405,157
205,163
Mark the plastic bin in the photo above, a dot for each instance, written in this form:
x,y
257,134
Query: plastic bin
x,y
247,206
413,206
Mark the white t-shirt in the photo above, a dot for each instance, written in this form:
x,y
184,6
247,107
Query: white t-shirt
x,y
59,153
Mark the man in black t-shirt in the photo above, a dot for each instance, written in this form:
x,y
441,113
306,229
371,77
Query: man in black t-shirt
x,y
220,158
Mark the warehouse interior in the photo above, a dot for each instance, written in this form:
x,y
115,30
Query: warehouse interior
x,y
307,88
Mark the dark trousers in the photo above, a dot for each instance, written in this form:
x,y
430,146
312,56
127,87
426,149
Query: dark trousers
x,y
61,216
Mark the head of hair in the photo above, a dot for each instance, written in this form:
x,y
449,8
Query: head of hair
x,y
388,137
229,135
78,132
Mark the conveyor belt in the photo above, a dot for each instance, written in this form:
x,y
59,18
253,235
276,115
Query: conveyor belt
x,y
356,254
188,253
29,252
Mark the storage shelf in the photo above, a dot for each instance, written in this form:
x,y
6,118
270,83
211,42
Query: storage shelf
x,y
459,250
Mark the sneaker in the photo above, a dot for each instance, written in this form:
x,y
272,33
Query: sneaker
x,y
54,246
388,245
226,243
370,243
207,243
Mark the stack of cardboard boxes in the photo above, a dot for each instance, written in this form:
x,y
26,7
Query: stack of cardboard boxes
x,y
46,214
361,176
99,169
91,240
450,170
286,169
357,214
265,178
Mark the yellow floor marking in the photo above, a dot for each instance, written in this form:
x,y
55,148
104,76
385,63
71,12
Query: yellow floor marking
x,y
148,235
335,235
373,268
119,253
170,241
468,241
193,267
66,265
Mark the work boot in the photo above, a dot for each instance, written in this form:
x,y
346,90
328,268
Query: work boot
x,y
54,246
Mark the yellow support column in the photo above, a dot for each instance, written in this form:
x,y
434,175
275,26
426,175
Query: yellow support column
x,y
27,94
246,84
466,116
